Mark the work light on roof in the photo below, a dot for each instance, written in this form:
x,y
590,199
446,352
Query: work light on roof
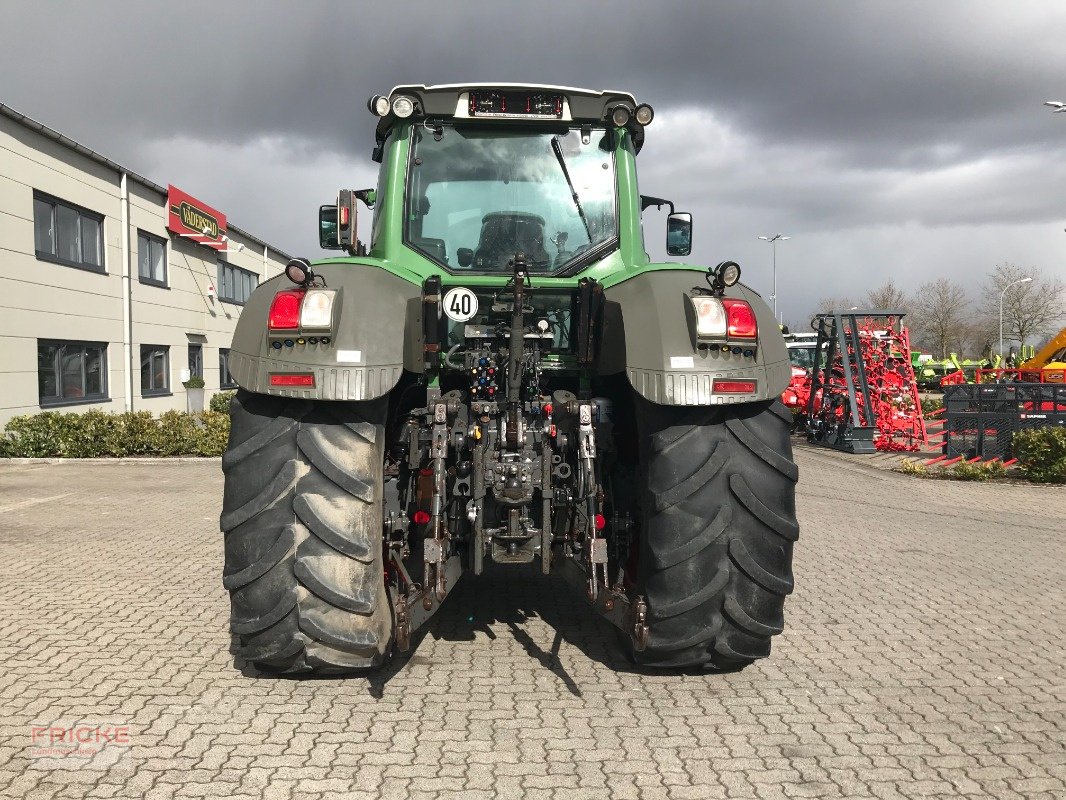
x,y
403,107
729,272
299,271
620,116
644,114
378,104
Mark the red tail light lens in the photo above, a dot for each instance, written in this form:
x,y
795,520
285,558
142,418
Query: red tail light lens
x,y
733,387
285,310
740,320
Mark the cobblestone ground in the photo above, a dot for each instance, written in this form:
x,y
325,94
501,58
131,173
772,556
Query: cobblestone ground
x,y
923,655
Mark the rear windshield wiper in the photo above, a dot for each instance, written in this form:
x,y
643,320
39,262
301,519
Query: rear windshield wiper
x,y
573,192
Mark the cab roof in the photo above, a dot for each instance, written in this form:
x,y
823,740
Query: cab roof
x,y
449,101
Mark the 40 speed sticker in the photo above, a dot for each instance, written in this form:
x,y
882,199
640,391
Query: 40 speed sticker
x,y
460,304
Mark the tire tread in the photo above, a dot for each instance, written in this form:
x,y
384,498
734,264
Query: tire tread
x,y
716,542
301,518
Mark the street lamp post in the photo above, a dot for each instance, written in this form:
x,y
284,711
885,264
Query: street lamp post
x,y
773,240
1001,296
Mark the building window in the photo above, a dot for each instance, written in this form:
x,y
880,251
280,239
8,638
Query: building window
x,y
196,361
151,259
67,234
71,372
235,285
155,369
225,380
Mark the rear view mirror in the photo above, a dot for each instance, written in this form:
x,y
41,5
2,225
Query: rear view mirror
x,y
679,234
327,228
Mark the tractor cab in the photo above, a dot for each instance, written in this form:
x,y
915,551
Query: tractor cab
x,y
473,174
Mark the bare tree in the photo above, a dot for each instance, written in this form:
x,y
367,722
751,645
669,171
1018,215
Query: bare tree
x,y
939,317
887,297
981,339
1030,310
827,304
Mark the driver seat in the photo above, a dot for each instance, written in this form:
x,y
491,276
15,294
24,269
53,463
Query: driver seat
x,y
504,233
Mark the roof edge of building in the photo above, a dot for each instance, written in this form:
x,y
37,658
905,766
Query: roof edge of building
x,y
92,155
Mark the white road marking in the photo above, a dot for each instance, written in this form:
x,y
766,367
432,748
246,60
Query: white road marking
x,y
31,502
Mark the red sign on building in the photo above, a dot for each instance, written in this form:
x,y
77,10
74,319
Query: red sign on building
x,y
187,216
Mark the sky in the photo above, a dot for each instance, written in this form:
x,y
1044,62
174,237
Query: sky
x,y
894,140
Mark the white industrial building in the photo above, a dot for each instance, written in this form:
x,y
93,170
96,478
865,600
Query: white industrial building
x,y
114,290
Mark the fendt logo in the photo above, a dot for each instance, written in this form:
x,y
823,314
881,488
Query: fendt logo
x,y
187,216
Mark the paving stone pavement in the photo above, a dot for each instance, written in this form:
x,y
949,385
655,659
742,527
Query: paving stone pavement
x,y
923,656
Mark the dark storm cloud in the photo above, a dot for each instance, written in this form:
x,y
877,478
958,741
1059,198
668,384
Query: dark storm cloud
x,y
858,74
909,123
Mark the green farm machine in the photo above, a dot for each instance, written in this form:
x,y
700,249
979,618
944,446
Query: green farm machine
x,y
502,374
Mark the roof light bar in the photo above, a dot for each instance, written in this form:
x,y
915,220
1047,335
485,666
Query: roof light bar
x,y
403,107
378,105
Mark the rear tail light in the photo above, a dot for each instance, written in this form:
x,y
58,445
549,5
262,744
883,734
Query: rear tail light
x,y
292,380
285,310
710,317
317,310
741,320
733,387
724,318
307,311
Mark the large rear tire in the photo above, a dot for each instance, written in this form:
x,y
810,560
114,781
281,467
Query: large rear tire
x,y
302,521
719,522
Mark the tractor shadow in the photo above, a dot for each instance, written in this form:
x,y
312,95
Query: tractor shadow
x,y
516,602
505,602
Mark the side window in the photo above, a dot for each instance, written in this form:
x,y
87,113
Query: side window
x,y
196,361
235,285
66,234
71,372
225,380
155,369
151,259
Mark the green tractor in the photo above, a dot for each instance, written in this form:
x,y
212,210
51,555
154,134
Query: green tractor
x,y
502,375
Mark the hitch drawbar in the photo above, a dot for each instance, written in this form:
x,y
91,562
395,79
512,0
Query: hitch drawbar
x,y
629,616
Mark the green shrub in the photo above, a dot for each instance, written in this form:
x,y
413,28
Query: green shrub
x,y
964,471
96,434
220,402
175,434
212,434
195,382
931,404
137,434
912,467
35,436
1041,453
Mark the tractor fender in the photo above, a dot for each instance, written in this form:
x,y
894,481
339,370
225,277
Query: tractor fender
x,y
365,356
649,332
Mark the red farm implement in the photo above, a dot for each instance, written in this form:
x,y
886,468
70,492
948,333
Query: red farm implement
x,y
863,395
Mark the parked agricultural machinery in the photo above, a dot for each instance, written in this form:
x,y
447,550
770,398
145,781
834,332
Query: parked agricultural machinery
x,y
853,383
502,375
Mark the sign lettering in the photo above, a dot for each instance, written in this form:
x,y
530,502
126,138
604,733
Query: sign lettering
x,y
196,220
